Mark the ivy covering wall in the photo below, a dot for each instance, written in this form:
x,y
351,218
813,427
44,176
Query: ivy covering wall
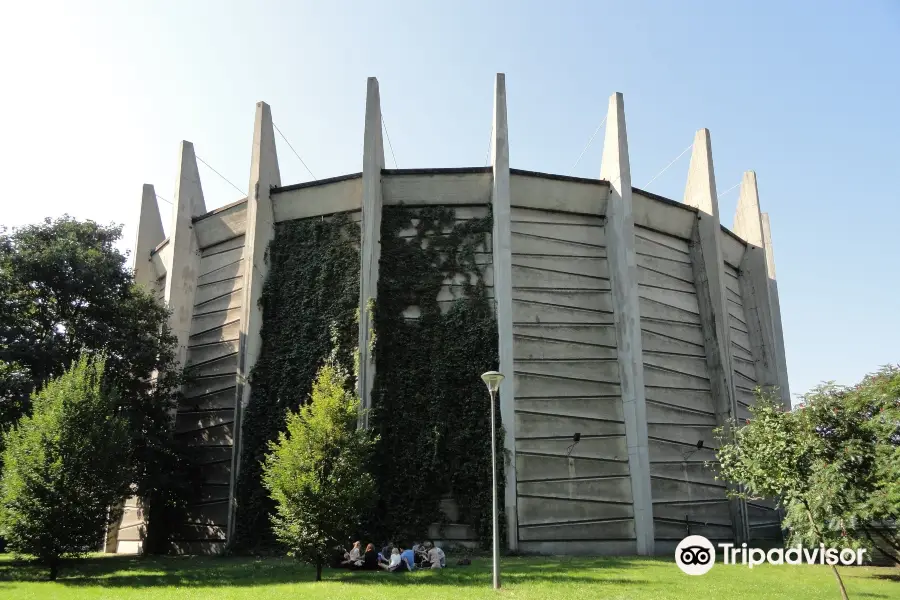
x,y
309,301
431,408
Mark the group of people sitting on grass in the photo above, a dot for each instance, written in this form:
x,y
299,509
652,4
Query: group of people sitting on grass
x,y
393,558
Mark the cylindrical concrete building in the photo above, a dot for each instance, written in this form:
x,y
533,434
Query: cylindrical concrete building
x,y
638,322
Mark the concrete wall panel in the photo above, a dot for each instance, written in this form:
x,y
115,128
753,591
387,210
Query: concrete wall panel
x,y
218,400
714,512
226,246
543,510
437,188
588,531
603,370
603,448
528,215
221,225
209,291
662,450
595,300
580,548
732,249
588,267
684,434
227,332
687,398
673,219
658,412
689,333
660,311
532,244
658,343
601,489
692,472
672,490
544,425
603,334
657,377
557,195
187,422
543,349
317,200
533,467
220,304
534,312
678,530
205,323
532,385
574,234
609,409
222,435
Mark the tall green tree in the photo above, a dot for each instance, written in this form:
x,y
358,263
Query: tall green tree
x,y
832,463
65,289
316,471
62,468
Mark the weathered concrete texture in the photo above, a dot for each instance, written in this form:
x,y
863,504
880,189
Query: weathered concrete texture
x,y
775,303
616,168
325,197
709,274
244,292
535,192
666,217
181,280
504,277
150,235
442,189
222,224
370,254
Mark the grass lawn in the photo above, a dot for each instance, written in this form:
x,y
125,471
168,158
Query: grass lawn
x,y
559,578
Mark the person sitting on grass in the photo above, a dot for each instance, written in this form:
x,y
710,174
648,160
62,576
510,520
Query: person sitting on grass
x,y
409,558
385,555
353,558
370,559
436,557
395,562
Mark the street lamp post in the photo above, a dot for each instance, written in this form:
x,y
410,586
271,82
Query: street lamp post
x,y
492,380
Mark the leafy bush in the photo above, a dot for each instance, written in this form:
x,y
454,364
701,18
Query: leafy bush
x,y
62,468
316,474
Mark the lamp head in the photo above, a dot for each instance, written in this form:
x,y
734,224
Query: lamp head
x,y
492,380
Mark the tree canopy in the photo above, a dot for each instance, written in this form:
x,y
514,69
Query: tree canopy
x,y
65,290
62,468
316,471
833,462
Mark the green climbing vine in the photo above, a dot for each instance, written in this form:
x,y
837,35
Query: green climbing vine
x,y
431,408
312,288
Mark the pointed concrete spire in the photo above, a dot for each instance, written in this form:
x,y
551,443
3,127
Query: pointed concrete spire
x,y
700,191
776,312
615,168
747,220
767,237
370,254
182,272
502,265
754,282
264,175
149,235
709,274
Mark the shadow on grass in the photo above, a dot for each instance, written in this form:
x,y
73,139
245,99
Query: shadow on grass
x,y
138,572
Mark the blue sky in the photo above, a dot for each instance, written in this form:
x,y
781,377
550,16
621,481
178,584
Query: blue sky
x,y
98,96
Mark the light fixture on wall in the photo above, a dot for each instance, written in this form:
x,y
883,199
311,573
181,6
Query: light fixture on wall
x,y
690,453
575,439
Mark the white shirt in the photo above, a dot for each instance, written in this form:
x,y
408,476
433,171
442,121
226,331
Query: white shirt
x,y
395,560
